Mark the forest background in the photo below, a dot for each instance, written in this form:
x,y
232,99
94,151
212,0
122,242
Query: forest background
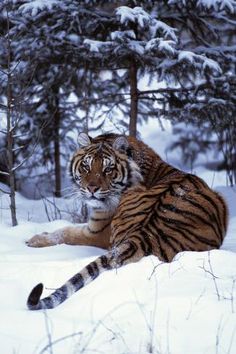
x,y
68,66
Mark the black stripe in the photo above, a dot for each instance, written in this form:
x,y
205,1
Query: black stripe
x,y
99,230
189,200
211,201
188,233
158,238
209,242
77,281
137,201
168,173
225,209
182,233
189,214
133,215
147,242
181,223
128,254
114,184
93,270
104,262
59,296
141,243
97,219
167,240
178,223
212,216
163,254
123,170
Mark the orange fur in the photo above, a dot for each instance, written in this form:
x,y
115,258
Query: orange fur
x,y
141,206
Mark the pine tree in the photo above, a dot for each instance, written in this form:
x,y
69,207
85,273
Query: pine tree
x,y
207,103
47,47
86,66
142,44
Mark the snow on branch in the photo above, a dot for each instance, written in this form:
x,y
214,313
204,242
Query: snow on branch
x,y
216,5
97,46
167,31
192,58
143,20
136,15
228,5
36,6
211,65
152,40
160,45
123,35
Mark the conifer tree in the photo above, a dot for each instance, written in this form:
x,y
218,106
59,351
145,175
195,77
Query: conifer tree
x,y
86,60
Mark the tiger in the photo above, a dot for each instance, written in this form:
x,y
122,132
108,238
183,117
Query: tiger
x,y
139,206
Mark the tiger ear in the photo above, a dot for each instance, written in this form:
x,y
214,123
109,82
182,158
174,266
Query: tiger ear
x,y
83,139
121,144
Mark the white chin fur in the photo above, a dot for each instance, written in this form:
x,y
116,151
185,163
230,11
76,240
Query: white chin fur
x,y
110,203
95,203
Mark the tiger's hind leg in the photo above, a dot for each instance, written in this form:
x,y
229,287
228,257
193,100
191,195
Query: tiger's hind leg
x,y
127,252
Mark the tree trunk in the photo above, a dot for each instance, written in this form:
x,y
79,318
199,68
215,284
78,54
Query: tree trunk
x,y
10,153
57,121
10,129
10,164
133,99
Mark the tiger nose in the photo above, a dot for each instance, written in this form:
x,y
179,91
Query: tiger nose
x,y
92,188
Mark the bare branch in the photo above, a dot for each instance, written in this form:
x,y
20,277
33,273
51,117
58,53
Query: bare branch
x,y
214,277
5,192
4,173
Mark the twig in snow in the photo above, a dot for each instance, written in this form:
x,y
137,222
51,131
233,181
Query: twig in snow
x,y
51,344
232,294
214,277
46,319
219,328
231,340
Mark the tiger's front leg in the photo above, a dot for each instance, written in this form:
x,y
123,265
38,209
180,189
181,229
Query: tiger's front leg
x,y
70,235
96,233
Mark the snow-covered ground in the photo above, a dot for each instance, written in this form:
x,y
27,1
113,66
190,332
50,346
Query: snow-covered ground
x,y
186,307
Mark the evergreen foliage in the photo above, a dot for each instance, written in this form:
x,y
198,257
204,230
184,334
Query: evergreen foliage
x,y
79,64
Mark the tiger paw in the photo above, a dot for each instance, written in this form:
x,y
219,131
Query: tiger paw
x,y
46,239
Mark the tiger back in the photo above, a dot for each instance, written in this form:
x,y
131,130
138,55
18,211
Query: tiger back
x,y
159,211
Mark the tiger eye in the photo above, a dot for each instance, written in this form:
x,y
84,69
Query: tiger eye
x,y
108,170
85,166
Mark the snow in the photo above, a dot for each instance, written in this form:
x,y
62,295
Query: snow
x,y
158,44
145,21
135,15
222,5
35,6
212,65
229,5
122,35
163,27
206,62
96,46
187,306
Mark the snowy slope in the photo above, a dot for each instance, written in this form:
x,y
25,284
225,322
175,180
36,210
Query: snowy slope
x,y
188,306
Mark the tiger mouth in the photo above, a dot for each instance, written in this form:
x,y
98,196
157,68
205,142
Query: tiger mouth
x,y
93,197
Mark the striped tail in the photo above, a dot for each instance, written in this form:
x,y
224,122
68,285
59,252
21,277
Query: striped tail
x,y
111,260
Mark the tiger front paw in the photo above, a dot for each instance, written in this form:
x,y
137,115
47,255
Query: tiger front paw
x,y
46,239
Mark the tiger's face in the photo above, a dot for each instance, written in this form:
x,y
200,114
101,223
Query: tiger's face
x,y
101,173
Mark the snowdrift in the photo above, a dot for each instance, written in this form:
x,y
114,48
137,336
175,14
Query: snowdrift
x,y
187,306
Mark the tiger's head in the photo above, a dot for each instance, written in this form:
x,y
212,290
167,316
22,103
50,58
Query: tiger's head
x,y
103,172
